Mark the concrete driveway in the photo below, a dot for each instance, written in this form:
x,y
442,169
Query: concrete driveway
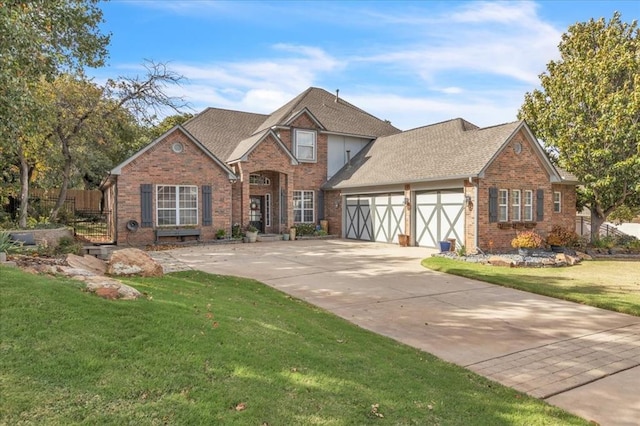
x,y
583,359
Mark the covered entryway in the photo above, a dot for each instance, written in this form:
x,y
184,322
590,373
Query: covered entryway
x,y
377,218
439,215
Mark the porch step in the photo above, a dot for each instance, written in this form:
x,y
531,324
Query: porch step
x,y
269,237
101,252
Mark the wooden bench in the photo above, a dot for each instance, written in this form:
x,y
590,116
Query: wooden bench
x,y
177,233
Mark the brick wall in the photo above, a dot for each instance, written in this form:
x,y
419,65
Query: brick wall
x,y
160,165
522,171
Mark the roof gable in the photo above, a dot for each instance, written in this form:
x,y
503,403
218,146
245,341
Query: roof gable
x,y
247,146
334,114
118,169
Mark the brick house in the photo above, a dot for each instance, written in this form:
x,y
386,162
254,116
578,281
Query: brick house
x,y
320,158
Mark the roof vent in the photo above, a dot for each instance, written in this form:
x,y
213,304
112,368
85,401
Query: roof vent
x,y
348,158
337,95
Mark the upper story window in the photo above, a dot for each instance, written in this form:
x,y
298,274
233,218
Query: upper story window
x,y
503,205
177,205
305,145
557,202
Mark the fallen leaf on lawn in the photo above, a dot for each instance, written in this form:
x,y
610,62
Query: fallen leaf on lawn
x,y
241,406
215,324
209,315
375,412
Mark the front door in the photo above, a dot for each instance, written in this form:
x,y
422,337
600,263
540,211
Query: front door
x,y
256,212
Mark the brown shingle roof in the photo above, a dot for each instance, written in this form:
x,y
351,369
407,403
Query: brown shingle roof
x,y
221,130
336,116
454,148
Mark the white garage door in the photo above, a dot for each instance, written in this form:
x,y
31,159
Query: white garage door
x,y
439,216
375,217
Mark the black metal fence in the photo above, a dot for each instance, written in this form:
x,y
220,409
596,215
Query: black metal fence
x,y
93,225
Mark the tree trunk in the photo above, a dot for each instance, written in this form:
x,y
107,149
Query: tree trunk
x,y
596,223
66,177
24,191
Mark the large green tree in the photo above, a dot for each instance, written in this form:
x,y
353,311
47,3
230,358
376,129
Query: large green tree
x,y
588,112
88,120
40,39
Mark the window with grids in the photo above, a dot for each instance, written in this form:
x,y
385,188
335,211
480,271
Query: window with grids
x,y
503,205
557,202
515,205
176,205
528,205
303,207
305,145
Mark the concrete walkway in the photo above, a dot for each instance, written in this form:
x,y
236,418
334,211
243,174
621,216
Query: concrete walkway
x,y
583,359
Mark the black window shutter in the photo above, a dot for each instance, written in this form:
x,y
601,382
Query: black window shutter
x,y
207,218
493,204
320,208
146,205
540,205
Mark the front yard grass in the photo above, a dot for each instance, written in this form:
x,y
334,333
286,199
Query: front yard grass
x,y
612,285
208,349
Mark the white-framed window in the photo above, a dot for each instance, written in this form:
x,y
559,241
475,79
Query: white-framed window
x,y
557,202
256,179
515,205
503,205
176,205
303,206
267,209
305,145
528,205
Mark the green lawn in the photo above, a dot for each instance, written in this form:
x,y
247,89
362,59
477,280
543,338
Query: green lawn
x,y
613,285
207,349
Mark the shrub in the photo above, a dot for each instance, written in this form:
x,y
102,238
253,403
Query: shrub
x,y
527,239
305,228
7,244
68,245
561,236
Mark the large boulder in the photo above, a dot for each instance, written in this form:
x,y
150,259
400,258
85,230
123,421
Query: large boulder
x,y
133,261
86,262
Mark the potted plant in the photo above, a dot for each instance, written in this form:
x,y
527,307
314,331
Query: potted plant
x,y
252,233
526,241
561,237
220,234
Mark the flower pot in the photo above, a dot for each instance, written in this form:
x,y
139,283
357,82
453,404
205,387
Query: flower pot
x,y
292,233
252,236
445,246
403,240
3,257
524,252
285,237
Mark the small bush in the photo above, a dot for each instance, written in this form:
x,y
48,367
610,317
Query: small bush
x,y
527,239
68,245
561,236
305,229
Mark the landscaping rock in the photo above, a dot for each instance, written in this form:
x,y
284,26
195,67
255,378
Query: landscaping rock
x,y
583,256
501,261
109,288
68,271
132,261
89,263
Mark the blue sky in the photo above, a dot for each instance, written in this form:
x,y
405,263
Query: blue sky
x,y
414,63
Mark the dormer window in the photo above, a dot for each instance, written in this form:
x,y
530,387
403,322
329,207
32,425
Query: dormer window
x,y
305,145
